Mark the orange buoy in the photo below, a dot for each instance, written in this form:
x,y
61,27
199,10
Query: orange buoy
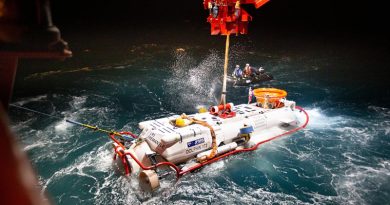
x,y
269,97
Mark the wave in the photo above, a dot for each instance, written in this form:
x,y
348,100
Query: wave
x,y
24,101
56,72
359,181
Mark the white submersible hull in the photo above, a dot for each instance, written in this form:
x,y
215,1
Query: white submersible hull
x,y
203,138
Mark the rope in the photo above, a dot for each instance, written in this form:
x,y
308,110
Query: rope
x,y
96,128
212,132
225,67
24,108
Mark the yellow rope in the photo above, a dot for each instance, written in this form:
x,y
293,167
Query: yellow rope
x,y
212,132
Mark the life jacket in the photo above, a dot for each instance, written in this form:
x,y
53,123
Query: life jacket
x,y
247,71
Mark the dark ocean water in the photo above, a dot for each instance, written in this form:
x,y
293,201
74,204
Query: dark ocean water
x,y
116,80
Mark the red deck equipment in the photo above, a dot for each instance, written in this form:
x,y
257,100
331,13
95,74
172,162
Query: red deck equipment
x,y
228,17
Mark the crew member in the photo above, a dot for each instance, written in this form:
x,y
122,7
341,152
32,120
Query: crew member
x,y
261,70
237,9
237,72
210,6
247,70
215,11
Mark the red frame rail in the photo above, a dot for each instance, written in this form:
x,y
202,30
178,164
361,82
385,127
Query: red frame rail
x,y
180,172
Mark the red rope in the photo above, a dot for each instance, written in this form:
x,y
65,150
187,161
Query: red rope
x,y
129,133
248,149
112,136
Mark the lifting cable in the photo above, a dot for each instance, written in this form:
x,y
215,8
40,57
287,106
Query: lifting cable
x,y
225,68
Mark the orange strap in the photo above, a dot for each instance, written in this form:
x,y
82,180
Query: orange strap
x,y
212,132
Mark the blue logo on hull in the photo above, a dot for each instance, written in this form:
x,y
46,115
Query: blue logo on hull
x,y
195,142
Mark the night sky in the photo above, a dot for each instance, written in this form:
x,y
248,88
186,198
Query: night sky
x,y
343,15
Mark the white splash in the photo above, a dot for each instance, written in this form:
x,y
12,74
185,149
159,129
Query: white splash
x,y
194,83
319,120
62,126
31,99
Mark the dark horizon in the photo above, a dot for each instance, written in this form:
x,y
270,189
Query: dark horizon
x,y
349,16
354,31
